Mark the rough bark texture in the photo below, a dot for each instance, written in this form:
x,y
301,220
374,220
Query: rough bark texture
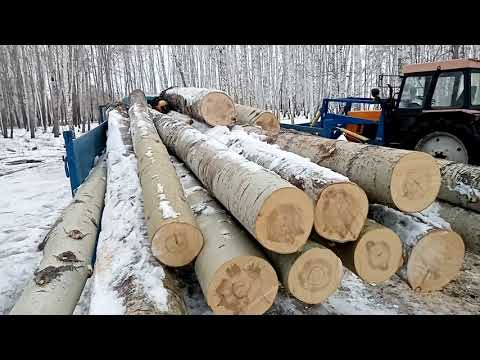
x,y
213,107
233,273
247,115
407,180
311,274
66,263
466,223
341,207
136,278
460,184
276,213
176,239
375,257
432,254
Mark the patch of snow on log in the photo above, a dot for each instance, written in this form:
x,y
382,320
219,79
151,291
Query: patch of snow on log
x,y
123,251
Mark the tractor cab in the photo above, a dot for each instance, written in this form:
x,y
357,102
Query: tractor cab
x,y
438,110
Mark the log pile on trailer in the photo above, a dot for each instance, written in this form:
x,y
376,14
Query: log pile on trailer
x,y
256,210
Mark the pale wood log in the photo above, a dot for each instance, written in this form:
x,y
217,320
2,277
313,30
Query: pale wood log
x,y
176,239
375,257
432,254
341,206
277,214
233,273
125,265
67,253
465,222
311,274
247,115
213,107
407,180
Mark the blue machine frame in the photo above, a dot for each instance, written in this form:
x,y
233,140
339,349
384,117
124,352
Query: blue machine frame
x,y
81,153
329,122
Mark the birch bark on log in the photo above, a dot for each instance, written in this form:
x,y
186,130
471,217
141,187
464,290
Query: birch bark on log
x,y
432,254
213,107
233,273
407,180
460,184
176,239
66,263
466,223
341,207
247,115
277,214
125,266
375,257
311,274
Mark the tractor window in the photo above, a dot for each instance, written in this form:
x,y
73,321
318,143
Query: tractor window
x,y
449,90
413,91
475,88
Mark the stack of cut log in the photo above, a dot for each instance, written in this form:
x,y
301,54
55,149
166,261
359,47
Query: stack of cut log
x,y
303,201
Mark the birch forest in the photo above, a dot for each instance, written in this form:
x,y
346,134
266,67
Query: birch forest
x,y
63,85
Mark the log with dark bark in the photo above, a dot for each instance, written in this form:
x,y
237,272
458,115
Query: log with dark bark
x,y
432,254
213,107
67,253
276,213
312,274
460,184
247,115
341,207
376,255
176,239
407,180
233,273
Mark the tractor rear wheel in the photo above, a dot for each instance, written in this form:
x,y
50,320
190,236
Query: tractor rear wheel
x,y
443,145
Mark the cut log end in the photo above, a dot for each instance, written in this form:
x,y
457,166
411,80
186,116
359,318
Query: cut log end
x,y
245,285
415,182
268,122
378,255
285,220
315,275
177,244
341,212
435,260
218,108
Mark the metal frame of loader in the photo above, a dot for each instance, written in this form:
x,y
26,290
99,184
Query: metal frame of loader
x,y
330,123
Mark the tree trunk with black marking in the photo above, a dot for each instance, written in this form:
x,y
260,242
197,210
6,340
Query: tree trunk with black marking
x,y
68,251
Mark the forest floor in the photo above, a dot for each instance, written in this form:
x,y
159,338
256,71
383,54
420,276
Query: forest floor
x,y
35,191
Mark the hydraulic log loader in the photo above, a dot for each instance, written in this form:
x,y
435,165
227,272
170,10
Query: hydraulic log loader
x,y
436,110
